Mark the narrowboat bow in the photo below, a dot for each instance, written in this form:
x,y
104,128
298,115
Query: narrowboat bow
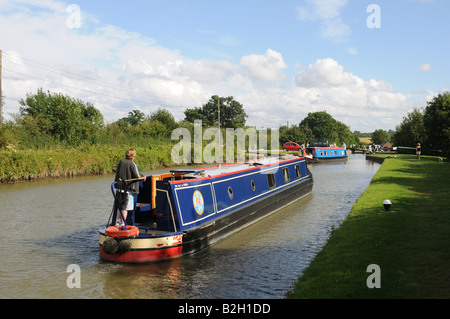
x,y
187,210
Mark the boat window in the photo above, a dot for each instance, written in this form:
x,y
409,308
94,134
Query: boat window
x,y
271,180
321,153
286,175
230,192
253,185
297,171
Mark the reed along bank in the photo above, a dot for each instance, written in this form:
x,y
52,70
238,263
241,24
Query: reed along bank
x,y
26,165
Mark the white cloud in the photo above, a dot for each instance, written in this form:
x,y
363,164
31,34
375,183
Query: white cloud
x,y
266,67
320,9
324,73
335,29
328,13
325,85
28,5
118,71
426,68
352,50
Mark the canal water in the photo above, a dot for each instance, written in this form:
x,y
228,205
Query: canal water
x,y
46,226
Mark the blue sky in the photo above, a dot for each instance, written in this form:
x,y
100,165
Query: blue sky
x,y
281,60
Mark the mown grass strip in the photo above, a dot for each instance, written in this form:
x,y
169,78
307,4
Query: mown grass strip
x,y
410,243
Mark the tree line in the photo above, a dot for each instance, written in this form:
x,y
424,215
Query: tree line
x,y
46,120
318,126
429,126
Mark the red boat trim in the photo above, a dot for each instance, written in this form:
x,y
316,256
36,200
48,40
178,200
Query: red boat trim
x,y
144,255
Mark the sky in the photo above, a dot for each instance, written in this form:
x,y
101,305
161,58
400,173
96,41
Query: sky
x,y
366,63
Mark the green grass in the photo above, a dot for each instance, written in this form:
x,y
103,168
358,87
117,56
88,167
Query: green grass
x,y
411,243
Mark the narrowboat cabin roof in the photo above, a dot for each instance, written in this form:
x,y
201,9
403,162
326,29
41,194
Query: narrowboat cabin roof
x,y
228,168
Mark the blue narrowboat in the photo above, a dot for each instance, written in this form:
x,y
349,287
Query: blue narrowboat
x,y
187,210
320,151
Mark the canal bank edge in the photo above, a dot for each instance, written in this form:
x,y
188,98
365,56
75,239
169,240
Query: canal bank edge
x,y
405,248
374,158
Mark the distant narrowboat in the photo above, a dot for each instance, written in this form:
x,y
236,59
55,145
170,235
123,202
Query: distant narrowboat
x,y
187,210
321,151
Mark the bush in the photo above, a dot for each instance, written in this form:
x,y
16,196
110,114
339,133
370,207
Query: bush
x,y
69,120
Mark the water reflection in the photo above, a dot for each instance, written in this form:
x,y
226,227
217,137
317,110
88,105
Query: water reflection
x,y
56,224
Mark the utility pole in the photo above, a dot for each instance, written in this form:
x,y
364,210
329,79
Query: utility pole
x,y
1,92
218,117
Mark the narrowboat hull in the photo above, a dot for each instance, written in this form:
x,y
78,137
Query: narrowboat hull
x,y
218,213
143,249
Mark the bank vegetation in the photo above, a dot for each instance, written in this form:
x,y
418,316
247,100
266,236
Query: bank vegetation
x,y
54,135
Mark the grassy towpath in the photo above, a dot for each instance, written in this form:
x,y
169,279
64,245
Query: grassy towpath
x,y
410,244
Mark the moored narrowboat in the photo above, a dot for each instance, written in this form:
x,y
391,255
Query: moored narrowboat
x,y
187,210
321,151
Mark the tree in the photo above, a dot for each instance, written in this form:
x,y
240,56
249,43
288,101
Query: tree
x,y
291,134
232,114
193,114
68,119
436,120
344,134
165,117
322,126
380,136
134,118
411,131
1,107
